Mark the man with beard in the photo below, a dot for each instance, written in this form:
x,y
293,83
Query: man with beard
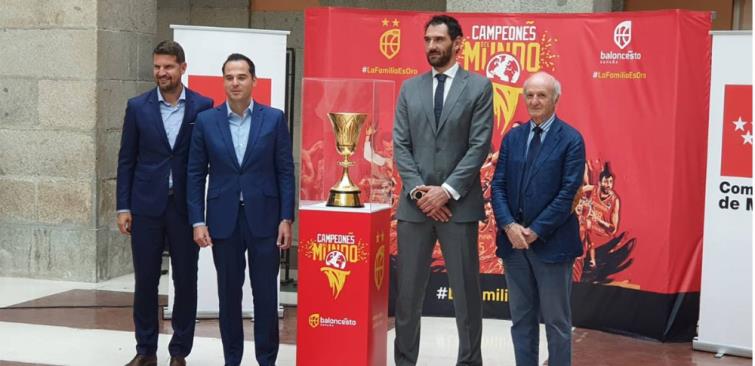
x,y
604,217
441,136
151,195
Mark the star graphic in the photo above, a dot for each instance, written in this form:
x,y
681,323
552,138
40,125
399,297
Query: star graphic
x,y
395,22
747,138
385,22
740,124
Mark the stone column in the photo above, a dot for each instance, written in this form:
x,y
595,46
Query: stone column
x,y
66,65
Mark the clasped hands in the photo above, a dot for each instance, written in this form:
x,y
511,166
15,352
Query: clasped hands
x,y
520,237
433,203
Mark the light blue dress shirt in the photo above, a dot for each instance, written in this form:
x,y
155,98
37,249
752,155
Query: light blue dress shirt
x,y
173,117
240,126
545,126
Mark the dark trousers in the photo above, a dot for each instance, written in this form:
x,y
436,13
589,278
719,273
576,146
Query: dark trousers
x,y
148,237
538,289
458,241
263,256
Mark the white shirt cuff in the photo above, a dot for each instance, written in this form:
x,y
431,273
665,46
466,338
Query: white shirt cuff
x,y
122,211
198,224
451,191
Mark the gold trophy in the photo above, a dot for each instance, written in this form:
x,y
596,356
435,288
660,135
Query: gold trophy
x,y
346,127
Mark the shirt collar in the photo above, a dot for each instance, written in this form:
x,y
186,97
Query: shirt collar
x,y
546,125
450,73
181,97
231,113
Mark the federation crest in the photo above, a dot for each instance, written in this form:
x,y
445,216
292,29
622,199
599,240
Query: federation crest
x,y
390,43
622,34
314,320
379,267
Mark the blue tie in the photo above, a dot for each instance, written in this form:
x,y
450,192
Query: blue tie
x,y
438,105
532,153
533,150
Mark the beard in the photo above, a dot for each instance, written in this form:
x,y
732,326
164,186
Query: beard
x,y
443,57
170,86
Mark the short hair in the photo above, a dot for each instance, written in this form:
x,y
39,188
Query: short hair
x,y
606,172
239,57
556,83
454,29
171,48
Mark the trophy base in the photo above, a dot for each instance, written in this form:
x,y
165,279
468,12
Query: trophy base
x,y
344,199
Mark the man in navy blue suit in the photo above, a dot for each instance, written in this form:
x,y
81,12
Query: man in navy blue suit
x,y
246,149
151,195
539,171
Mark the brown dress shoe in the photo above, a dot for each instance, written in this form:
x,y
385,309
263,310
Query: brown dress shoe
x,y
141,360
177,361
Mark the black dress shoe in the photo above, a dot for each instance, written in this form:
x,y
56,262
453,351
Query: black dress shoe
x,y
141,360
177,361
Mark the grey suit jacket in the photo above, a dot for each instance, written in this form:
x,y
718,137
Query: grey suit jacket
x,y
453,152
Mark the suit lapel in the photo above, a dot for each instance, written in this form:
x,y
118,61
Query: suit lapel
x,y
426,93
157,119
457,87
552,139
225,132
254,132
188,112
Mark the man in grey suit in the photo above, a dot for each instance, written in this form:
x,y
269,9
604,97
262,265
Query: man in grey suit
x,y
441,136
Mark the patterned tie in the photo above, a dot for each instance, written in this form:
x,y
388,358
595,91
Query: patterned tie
x,y
532,152
534,149
438,105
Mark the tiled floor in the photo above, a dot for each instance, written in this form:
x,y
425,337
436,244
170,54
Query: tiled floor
x,y
63,323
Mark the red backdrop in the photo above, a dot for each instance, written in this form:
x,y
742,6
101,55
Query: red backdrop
x,y
635,84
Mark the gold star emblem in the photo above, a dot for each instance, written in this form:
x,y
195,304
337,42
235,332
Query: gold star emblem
x,y
395,22
385,22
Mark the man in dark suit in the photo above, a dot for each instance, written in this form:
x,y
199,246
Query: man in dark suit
x,y
245,146
151,195
441,136
539,171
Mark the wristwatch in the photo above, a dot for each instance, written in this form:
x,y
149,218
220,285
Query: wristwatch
x,y
417,194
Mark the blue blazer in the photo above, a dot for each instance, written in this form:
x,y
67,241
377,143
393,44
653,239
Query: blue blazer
x,y
265,176
547,192
146,159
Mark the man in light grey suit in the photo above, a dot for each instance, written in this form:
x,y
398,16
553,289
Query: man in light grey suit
x,y
441,136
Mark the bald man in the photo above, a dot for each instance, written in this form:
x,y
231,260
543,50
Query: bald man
x,y
538,173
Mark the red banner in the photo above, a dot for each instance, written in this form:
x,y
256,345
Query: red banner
x,y
343,287
634,84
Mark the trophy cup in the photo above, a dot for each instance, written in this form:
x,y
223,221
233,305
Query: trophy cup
x,y
346,127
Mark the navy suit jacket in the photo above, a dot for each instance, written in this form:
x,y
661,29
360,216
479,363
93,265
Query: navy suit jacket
x,y
146,159
547,192
265,176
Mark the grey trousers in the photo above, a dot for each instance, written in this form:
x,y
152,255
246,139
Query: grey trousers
x,y
458,241
539,288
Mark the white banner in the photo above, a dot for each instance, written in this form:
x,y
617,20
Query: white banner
x,y
206,49
725,325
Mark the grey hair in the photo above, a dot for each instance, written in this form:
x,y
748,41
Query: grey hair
x,y
556,83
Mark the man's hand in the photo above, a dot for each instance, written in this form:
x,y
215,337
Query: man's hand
x,y
515,233
442,214
202,236
284,235
124,222
529,235
434,198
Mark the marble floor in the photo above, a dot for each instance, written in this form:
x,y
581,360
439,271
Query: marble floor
x,y
67,323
